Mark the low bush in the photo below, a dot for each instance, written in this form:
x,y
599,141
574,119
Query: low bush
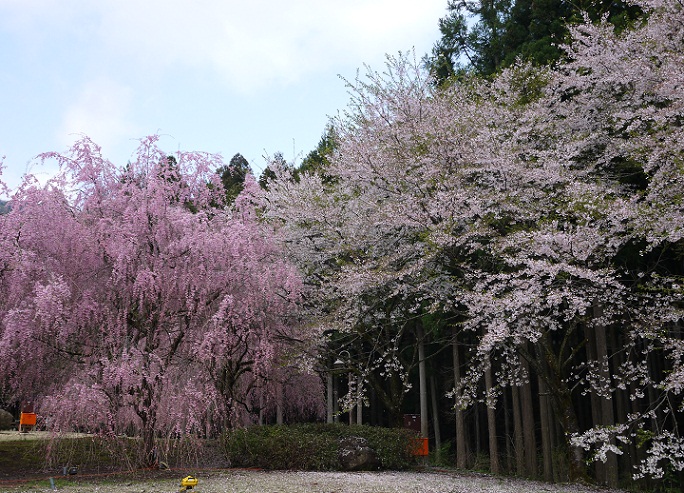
x,y
6,420
36,454
314,446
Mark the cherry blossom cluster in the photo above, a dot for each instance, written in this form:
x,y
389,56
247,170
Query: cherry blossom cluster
x,y
539,214
135,299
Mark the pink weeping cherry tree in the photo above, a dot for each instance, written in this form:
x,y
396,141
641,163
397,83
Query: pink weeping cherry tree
x,y
135,299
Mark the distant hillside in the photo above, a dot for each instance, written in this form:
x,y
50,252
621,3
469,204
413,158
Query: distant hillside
x,y
4,207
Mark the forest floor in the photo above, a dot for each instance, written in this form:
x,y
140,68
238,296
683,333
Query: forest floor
x,y
248,481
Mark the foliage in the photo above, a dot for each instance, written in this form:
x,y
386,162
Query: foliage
x,y
233,176
537,214
277,161
313,446
152,309
488,36
318,160
99,454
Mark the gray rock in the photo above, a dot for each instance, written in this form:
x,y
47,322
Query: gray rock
x,y
6,420
356,455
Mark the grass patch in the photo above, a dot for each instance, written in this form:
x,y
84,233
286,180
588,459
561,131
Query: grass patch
x,y
52,455
20,455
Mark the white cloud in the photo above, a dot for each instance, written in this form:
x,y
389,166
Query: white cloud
x,y
251,44
190,63
101,111
262,42
37,20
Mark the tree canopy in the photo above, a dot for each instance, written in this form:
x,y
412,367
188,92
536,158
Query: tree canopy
x,y
490,35
233,176
537,214
120,302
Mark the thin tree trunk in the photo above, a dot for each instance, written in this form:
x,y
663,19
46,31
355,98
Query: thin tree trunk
x,y
336,401
546,437
435,418
331,396
359,403
518,432
546,421
279,403
352,414
507,430
627,460
478,431
461,451
599,467
422,382
529,439
491,424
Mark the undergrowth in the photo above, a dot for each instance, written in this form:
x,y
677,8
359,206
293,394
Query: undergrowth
x,y
314,446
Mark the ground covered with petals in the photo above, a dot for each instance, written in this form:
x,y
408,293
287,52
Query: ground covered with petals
x,y
313,482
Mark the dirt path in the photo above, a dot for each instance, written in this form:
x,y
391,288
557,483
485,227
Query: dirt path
x,y
13,435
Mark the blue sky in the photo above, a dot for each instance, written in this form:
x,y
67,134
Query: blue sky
x,y
250,76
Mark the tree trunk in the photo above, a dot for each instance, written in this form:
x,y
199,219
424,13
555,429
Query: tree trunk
x,y
336,401
352,414
435,418
147,412
562,402
622,407
548,365
518,432
422,382
461,451
607,414
599,467
359,402
478,430
330,408
389,390
546,437
508,430
597,346
491,424
279,403
529,439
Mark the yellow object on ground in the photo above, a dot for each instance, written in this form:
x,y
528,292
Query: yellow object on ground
x,y
188,483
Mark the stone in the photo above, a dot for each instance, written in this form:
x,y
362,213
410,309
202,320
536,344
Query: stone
x,y
356,455
6,420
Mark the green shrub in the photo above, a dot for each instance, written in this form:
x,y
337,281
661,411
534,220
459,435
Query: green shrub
x,y
96,454
313,446
6,420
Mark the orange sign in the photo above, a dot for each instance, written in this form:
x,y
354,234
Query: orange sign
x,y
421,447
